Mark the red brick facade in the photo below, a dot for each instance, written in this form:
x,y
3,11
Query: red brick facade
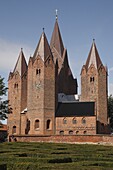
x,y
33,94
94,87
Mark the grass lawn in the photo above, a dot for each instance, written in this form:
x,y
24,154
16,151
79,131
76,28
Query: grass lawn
x,y
50,156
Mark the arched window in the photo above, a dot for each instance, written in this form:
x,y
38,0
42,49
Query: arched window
x,y
83,120
39,71
27,129
74,121
48,126
37,124
64,121
70,132
85,132
61,132
14,129
14,85
77,132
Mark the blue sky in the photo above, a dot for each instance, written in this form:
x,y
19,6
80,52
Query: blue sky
x,y
21,23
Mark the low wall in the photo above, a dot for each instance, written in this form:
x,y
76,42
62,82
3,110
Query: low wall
x,y
100,139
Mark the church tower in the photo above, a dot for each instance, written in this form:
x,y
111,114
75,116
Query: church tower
x,y
66,82
17,94
94,86
41,90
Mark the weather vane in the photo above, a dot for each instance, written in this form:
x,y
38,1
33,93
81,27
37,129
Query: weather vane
x,y
56,14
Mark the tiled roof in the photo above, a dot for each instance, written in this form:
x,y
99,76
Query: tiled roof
x,y
93,57
56,40
43,48
68,109
21,65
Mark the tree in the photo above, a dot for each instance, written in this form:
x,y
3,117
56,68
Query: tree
x,y
110,110
4,108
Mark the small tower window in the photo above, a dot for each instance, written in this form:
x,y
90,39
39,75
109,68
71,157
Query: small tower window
x,y
14,129
16,85
92,79
38,71
37,124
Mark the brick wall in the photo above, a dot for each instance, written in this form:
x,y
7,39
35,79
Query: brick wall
x,y
14,97
35,95
76,125
96,90
107,139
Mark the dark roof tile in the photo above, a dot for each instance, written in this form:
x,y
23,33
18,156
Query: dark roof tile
x,y
69,109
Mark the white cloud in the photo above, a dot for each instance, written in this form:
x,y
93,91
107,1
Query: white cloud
x,y
111,69
9,52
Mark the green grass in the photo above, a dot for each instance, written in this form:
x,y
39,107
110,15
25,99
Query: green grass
x,y
49,156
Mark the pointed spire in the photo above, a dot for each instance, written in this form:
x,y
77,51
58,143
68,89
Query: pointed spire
x,y
93,57
56,39
21,65
43,48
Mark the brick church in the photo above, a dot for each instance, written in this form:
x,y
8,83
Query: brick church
x,y
43,92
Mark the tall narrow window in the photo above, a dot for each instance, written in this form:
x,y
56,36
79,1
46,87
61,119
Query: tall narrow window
x,y
27,129
14,129
37,124
38,71
16,85
92,79
48,126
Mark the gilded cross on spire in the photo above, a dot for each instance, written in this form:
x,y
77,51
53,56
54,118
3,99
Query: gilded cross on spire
x,y
56,14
